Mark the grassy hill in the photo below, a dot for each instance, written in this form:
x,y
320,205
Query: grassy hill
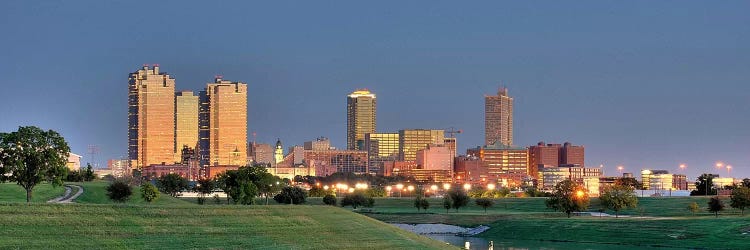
x,y
169,223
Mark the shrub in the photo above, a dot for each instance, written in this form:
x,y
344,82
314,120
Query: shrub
x,y
291,195
329,199
119,191
149,192
357,199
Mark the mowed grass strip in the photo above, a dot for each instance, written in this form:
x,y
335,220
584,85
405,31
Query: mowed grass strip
x,y
12,192
86,226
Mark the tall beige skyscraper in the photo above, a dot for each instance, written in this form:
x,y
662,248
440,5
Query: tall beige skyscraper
x,y
223,123
360,118
151,109
186,122
498,118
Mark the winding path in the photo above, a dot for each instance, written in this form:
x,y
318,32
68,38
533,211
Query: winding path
x,y
67,197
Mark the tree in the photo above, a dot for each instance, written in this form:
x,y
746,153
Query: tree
x,y
704,185
447,203
746,182
693,207
204,187
357,199
477,192
629,181
172,184
89,174
329,199
740,198
119,191
568,197
484,203
715,205
618,197
421,203
459,198
291,195
32,155
418,202
319,192
376,191
149,192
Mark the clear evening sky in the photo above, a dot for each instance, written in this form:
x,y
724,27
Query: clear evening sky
x,y
643,84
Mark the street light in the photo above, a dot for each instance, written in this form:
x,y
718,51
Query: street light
x,y
683,166
580,194
400,188
467,186
446,186
729,169
619,168
491,186
434,188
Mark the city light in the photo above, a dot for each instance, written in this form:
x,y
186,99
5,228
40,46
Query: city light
x,y
683,166
351,190
434,188
411,188
388,188
467,186
491,186
446,186
325,187
579,194
400,186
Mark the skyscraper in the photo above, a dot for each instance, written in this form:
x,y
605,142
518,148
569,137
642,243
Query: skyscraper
x,y
223,123
186,122
413,140
151,124
381,147
360,118
498,118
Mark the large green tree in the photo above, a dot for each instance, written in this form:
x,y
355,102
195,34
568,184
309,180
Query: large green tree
x,y
617,197
568,197
740,198
704,185
458,198
172,184
32,155
715,205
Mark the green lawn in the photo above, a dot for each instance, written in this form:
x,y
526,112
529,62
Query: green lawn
x,y
659,222
12,192
86,226
96,193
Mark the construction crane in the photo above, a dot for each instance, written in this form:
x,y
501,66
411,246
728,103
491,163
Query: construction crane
x,y
452,132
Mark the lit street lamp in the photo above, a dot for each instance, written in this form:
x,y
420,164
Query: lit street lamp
x,y
491,186
467,186
619,168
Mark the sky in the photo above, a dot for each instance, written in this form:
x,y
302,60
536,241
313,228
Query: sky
x,y
642,84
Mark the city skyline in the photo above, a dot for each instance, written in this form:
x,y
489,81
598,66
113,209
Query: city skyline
x,y
654,88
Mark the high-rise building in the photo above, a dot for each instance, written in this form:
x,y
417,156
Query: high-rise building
x,y
498,118
186,121
319,144
262,153
360,118
554,155
151,124
504,163
413,140
223,123
381,147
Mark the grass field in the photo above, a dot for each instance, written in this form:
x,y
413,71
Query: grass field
x,y
171,223
12,192
96,193
661,222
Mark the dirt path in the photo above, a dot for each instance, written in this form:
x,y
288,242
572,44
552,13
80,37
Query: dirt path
x,y
67,197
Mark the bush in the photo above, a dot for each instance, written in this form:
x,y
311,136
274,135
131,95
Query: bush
x,y
357,199
291,195
119,191
458,198
329,199
319,192
149,192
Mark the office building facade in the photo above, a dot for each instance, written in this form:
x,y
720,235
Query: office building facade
x,y
151,124
360,118
498,118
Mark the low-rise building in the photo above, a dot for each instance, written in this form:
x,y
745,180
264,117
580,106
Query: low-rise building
x,y
74,162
